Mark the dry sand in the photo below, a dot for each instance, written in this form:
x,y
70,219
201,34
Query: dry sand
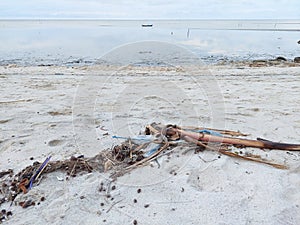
x,y
63,111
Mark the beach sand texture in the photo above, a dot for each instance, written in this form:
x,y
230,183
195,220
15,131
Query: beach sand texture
x,y
46,111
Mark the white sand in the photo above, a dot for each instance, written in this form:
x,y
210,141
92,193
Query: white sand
x,y
36,120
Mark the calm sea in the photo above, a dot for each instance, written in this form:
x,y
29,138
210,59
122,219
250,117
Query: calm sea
x,y
80,42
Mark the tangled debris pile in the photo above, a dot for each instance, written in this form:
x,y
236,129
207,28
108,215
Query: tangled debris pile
x,y
134,152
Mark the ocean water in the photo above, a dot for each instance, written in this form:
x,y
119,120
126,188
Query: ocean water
x,y
84,42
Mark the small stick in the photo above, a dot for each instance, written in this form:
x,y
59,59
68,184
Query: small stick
x,y
42,170
278,166
226,132
16,101
113,205
152,129
138,148
38,172
194,141
71,173
150,157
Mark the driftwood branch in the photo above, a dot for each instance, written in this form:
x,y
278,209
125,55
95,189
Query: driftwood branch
x,y
259,143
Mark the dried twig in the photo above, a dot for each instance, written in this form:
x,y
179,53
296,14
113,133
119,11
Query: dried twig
x,y
228,153
112,205
149,158
225,132
278,166
259,143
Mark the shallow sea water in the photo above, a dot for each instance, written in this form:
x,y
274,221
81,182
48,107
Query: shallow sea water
x,y
83,42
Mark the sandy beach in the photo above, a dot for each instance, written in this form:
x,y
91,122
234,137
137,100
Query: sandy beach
x,y
65,111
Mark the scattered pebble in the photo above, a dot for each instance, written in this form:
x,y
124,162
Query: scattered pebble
x,y
146,206
101,187
139,190
59,178
27,204
4,215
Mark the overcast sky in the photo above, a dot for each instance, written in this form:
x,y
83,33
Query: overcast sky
x,y
142,9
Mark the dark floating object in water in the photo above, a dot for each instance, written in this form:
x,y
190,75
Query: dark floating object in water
x,y
147,25
297,59
281,58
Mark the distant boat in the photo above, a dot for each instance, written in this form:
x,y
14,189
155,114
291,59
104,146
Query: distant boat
x,y
147,25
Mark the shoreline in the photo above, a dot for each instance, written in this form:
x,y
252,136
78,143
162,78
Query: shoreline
x,y
234,67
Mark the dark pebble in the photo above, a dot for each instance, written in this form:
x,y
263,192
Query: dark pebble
x,y
102,204
9,213
31,158
146,206
42,199
139,190
135,222
134,201
113,187
2,200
